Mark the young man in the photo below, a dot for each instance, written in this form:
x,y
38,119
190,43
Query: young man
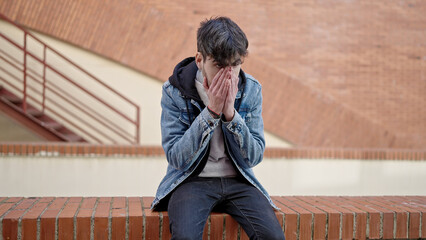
x,y
212,134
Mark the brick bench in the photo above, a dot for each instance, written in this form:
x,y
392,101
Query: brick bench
x,y
304,217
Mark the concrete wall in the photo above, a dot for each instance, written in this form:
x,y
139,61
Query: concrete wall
x,y
13,131
131,176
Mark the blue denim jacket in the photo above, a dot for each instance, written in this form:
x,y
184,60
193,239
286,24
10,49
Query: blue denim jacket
x,y
186,136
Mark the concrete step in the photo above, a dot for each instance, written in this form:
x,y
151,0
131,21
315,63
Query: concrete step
x,y
52,125
34,112
73,138
13,99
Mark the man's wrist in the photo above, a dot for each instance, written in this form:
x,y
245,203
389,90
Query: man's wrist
x,y
213,113
229,116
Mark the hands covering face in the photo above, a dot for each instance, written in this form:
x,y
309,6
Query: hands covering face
x,y
222,92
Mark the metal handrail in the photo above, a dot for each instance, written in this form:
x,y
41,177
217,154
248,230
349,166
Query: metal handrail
x,y
114,128
71,81
60,93
52,110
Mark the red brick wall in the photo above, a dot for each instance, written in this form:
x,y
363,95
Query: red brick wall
x,y
72,149
335,73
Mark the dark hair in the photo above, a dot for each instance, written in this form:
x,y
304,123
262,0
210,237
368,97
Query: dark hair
x,y
221,39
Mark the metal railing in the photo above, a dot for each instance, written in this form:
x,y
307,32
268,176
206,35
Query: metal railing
x,y
101,118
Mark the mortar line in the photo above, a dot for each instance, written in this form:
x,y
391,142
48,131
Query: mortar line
x,y
367,231
239,232
284,216
127,219
110,219
209,228
341,224
298,225
355,226
224,227
75,218
312,225
326,224
39,218
92,220
421,224
4,214
57,220
143,219
381,224
408,224
160,216
20,219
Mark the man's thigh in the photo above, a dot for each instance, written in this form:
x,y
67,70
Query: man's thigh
x,y
250,208
190,205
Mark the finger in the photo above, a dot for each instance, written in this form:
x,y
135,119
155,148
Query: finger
x,y
225,75
234,76
205,84
231,90
232,83
218,82
224,82
217,78
237,79
226,89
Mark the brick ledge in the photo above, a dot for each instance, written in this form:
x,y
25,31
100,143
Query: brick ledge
x,y
372,217
82,149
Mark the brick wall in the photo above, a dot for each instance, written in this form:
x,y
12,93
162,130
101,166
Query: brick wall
x,y
73,149
401,217
335,73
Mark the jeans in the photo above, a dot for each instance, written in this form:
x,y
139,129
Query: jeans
x,y
192,202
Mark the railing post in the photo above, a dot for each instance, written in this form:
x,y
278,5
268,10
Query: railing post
x,y
24,103
44,78
137,125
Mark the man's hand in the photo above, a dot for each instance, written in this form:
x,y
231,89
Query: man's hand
x,y
228,108
217,92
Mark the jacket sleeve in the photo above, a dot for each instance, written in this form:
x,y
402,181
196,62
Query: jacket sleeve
x,y
245,139
183,144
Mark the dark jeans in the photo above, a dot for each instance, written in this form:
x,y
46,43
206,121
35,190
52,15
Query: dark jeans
x,y
192,202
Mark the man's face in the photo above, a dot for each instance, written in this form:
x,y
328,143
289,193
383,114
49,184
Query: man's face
x,y
209,67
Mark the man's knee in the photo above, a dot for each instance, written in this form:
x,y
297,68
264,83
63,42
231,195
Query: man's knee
x,y
186,231
273,235
186,235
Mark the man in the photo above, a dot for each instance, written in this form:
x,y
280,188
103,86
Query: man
x,y
212,134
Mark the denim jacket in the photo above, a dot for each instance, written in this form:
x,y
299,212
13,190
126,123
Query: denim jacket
x,y
187,127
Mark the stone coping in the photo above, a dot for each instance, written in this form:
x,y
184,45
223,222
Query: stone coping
x,y
82,149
